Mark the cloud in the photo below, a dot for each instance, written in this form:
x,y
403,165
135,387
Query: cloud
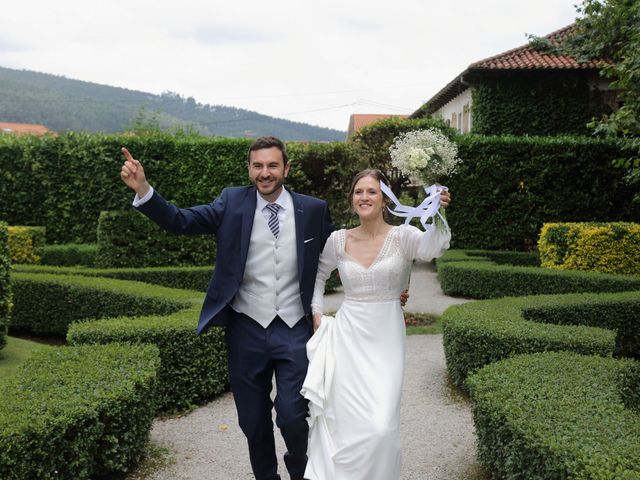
x,y
338,57
8,45
361,24
219,35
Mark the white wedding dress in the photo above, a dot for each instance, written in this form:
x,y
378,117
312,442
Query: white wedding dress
x,y
356,359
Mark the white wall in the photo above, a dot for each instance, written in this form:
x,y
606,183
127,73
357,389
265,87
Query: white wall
x,y
458,106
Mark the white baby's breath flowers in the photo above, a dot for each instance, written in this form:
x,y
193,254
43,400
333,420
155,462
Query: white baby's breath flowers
x,y
424,155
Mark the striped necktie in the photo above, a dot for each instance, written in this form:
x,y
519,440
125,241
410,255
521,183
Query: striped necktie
x,y
274,224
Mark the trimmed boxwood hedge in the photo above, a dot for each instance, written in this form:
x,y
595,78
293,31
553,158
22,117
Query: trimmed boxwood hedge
x,y
5,284
629,385
556,415
77,412
462,274
612,247
476,334
70,254
26,244
618,314
47,304
501,257
187,278
193,369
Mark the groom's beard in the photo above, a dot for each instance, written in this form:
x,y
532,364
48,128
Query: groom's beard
x,y
271,187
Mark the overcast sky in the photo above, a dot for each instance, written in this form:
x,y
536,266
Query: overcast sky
x,y
310,61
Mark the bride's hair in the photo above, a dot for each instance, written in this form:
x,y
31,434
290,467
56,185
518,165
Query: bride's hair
x,y
368,172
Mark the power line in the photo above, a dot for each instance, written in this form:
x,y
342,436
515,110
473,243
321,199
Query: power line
x,y
217,122
335,92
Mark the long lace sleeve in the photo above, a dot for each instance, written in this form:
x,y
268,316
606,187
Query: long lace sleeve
x,y
424,245
327,264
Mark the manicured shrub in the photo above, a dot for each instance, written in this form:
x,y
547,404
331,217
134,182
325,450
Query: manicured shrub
x,y
618,314
484,279
478,333
77,413
193,369
503,257
500,257
129,239
187,278
555,415
47,304
628,382
593,247
26,244
5,284
70,254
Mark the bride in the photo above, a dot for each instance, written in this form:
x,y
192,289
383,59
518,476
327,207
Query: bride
x,y
356,360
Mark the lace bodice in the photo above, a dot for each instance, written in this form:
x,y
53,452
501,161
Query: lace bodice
x,y
389,273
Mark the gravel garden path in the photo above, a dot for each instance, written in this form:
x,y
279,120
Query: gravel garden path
x,y
437,431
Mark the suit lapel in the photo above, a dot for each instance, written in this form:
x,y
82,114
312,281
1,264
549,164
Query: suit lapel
x,y
248,213
299,217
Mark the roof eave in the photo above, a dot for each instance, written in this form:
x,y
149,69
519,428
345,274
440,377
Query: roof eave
x,y
451,90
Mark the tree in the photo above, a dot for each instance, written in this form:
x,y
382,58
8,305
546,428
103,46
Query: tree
x,y
610,29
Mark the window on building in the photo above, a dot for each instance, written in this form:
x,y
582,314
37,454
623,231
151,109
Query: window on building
x,y
465,118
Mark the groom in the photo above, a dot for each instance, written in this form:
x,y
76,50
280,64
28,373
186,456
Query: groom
x,y
269,240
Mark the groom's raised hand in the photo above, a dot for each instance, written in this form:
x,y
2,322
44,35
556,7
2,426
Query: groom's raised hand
x,y
132,174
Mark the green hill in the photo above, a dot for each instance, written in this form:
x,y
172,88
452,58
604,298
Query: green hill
x,y
63,104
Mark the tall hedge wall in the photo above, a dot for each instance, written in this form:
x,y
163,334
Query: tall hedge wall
x,y
504,191
64,182
508,186
129,239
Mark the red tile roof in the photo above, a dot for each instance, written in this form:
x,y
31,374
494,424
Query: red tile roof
x,y
522,58
359,120
526,58
23,128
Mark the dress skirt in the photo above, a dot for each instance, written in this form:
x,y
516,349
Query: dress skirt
x,y
354,384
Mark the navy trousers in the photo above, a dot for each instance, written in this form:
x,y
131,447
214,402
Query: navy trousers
x,y
255,354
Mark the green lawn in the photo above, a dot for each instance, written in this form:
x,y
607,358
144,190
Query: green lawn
x,y
16,352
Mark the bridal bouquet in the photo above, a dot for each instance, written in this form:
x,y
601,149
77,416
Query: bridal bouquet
x,y
423,156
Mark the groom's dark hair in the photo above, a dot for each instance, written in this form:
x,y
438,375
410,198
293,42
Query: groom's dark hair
x,y
268,142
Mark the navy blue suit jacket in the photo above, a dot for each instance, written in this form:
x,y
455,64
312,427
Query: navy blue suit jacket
x,y
230,218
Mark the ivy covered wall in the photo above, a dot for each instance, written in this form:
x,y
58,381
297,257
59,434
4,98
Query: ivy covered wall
x,y
535,103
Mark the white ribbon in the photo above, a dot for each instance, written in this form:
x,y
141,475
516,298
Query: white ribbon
x,y
429,208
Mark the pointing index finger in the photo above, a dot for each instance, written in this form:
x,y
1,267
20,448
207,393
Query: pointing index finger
x,y
126,154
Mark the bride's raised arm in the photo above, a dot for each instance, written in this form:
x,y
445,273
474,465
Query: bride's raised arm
x,y
327,264
424,245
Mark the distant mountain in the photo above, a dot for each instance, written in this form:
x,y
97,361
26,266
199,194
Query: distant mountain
x,y
64,104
